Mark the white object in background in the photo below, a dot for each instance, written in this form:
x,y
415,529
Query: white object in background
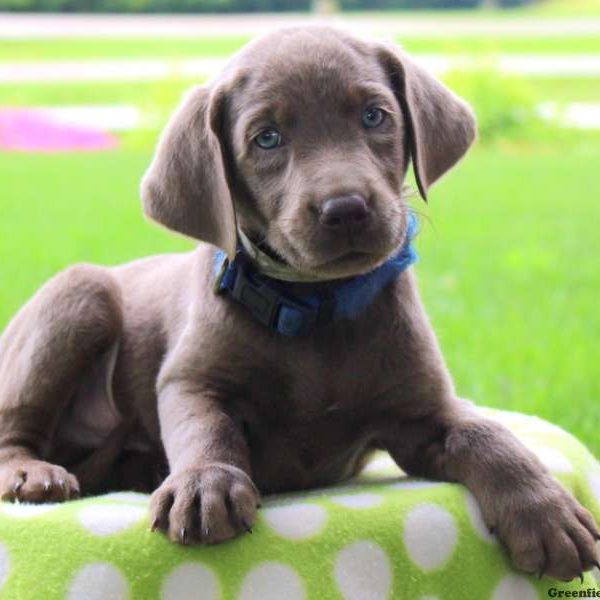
x,y
580,115
107,118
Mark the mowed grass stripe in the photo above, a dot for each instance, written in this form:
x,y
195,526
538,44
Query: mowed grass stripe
x,y
88,49
166,93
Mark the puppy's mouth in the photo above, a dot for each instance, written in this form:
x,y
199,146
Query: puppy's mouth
x,y
358,256
319,260
350,264
268,250
345,257
349,260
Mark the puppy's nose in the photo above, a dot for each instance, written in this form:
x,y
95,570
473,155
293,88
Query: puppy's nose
x,y
344,211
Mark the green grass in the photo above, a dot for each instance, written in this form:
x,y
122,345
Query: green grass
x,y
564,8
509,262
99,48
57,209
181,48
139,93
150,94
481,45
164,95
567,89
510,276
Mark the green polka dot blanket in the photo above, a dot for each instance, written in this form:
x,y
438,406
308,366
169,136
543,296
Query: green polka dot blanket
x,y
383,535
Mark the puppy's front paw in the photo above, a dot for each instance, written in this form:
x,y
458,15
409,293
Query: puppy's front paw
x,y
208,505
547,532
36,481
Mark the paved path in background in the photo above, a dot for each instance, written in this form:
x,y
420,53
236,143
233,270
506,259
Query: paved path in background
x,y
157,69
18,26
127,117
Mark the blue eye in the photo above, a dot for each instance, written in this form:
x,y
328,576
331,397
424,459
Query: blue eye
x,y
268,139
373,117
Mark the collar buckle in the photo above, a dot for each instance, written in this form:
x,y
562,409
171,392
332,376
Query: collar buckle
x,y
259,299
267,305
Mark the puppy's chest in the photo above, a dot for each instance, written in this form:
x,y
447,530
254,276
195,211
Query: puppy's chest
x,y
306,390
306,427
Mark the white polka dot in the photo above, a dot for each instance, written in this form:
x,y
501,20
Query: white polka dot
x,y
510,419
364,500
126,496
4,564
430,536
415,484
553,459
594,481
186,581
296,521
98,581
537,425
518,421
272,581
477,521
106,519
381,464
363,570
27,510
525,424
514,586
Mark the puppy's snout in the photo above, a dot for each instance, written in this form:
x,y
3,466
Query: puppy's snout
x,y
350,211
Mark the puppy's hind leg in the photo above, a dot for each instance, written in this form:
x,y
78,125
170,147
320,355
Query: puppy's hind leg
x,y
71,320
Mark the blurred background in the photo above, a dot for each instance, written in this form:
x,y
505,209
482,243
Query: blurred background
x,y
510,243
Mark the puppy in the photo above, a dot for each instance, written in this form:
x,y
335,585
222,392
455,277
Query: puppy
x,y
284,351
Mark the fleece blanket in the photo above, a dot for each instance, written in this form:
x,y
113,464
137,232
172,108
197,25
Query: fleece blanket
x,y
381,536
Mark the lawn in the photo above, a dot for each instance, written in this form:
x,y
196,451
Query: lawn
x,y
172,48
509,248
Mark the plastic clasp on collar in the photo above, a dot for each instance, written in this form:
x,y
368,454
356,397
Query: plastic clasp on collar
x,y
267,305
261,301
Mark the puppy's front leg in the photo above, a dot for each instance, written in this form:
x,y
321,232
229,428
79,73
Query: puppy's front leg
x,y
209,496
544,528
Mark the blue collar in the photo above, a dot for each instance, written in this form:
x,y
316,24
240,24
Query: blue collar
x,y
272,303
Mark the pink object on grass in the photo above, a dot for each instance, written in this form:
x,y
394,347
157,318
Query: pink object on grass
x,y
31,130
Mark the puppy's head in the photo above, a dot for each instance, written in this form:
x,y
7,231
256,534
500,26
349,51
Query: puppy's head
x,y
306,138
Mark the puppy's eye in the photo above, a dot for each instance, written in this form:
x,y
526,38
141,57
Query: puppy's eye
x,y
373,117
268,139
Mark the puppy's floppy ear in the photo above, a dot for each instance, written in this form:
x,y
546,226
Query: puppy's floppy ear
x,y
186,187
441,127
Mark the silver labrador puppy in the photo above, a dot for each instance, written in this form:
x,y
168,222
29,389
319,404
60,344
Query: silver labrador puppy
x,y
283,360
